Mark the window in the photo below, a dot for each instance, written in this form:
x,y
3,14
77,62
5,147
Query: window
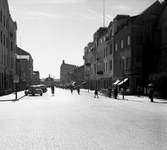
x,y
95,68
4,40
104,39
4,21
122,44
128,40
11,45
110,49
1,37
116,47
0,15
106,51
106,66
110,65
126,64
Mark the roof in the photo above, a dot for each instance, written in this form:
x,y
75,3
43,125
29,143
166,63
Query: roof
x,y
20,51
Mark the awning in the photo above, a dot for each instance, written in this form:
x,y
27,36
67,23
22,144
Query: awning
x,y
116,82
123,81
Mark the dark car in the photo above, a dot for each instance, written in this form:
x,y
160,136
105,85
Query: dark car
x,y
34,90
43,87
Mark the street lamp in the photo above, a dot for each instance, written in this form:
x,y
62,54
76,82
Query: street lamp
x,y
123,73
88,65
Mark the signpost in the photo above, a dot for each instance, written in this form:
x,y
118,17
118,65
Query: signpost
x,y
15,81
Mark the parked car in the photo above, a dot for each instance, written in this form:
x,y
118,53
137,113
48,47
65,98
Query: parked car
x,y
43,87
34,90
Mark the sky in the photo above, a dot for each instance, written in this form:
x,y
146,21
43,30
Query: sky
x,y
56,30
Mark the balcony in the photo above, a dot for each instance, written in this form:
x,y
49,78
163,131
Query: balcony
x,y
100,72
87,64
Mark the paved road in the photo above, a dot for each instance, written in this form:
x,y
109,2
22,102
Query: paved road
x,y
80,122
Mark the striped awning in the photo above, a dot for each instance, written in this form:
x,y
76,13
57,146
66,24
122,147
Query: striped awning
x,y
116,82
123,81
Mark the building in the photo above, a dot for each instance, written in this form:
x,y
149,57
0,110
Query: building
x,y
129,50
7,48
158,74
89,65
78,75
66,71
36,78
98,60
134,49
125,51
24,68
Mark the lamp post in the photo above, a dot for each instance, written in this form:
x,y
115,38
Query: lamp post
x,y
88,65
123,73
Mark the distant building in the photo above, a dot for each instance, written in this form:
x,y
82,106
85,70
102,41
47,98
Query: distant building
x,y
49,81
36,78
7,48
65,72
24,68
78,75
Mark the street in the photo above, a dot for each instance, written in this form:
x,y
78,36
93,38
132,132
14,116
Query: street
x,y
80,122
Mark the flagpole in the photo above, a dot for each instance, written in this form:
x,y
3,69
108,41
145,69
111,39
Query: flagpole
x,y
104,11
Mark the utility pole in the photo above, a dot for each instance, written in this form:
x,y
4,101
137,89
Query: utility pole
x,y
104,13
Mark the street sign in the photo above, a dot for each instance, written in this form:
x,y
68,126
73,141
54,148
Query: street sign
x,y
16,79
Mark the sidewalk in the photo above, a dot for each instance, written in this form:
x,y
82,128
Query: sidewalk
x,y
11,97
142,99
133,98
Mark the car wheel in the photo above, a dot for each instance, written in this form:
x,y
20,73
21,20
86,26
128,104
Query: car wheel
x,y
41,94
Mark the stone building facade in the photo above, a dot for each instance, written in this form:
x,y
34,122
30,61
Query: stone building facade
x,y
131,48
66,71
24,68
7,48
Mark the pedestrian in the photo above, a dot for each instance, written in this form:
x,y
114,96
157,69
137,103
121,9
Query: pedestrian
x,y
71,89
52,89
109,92
96,93
151,94
78,90
115,92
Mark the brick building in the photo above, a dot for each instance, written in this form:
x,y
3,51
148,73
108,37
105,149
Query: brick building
x,y
7,48
65,72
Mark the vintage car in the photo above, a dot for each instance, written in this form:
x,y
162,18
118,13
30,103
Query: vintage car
x,y
34,90
43,87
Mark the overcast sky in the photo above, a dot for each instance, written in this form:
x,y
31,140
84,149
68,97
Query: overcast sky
x,y
53,30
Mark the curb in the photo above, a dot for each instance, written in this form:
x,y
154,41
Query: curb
x,y
14,100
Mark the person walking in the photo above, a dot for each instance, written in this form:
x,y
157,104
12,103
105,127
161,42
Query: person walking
x,y
52,89
96,94
71,89
115,92
109,92
78,90
151,94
